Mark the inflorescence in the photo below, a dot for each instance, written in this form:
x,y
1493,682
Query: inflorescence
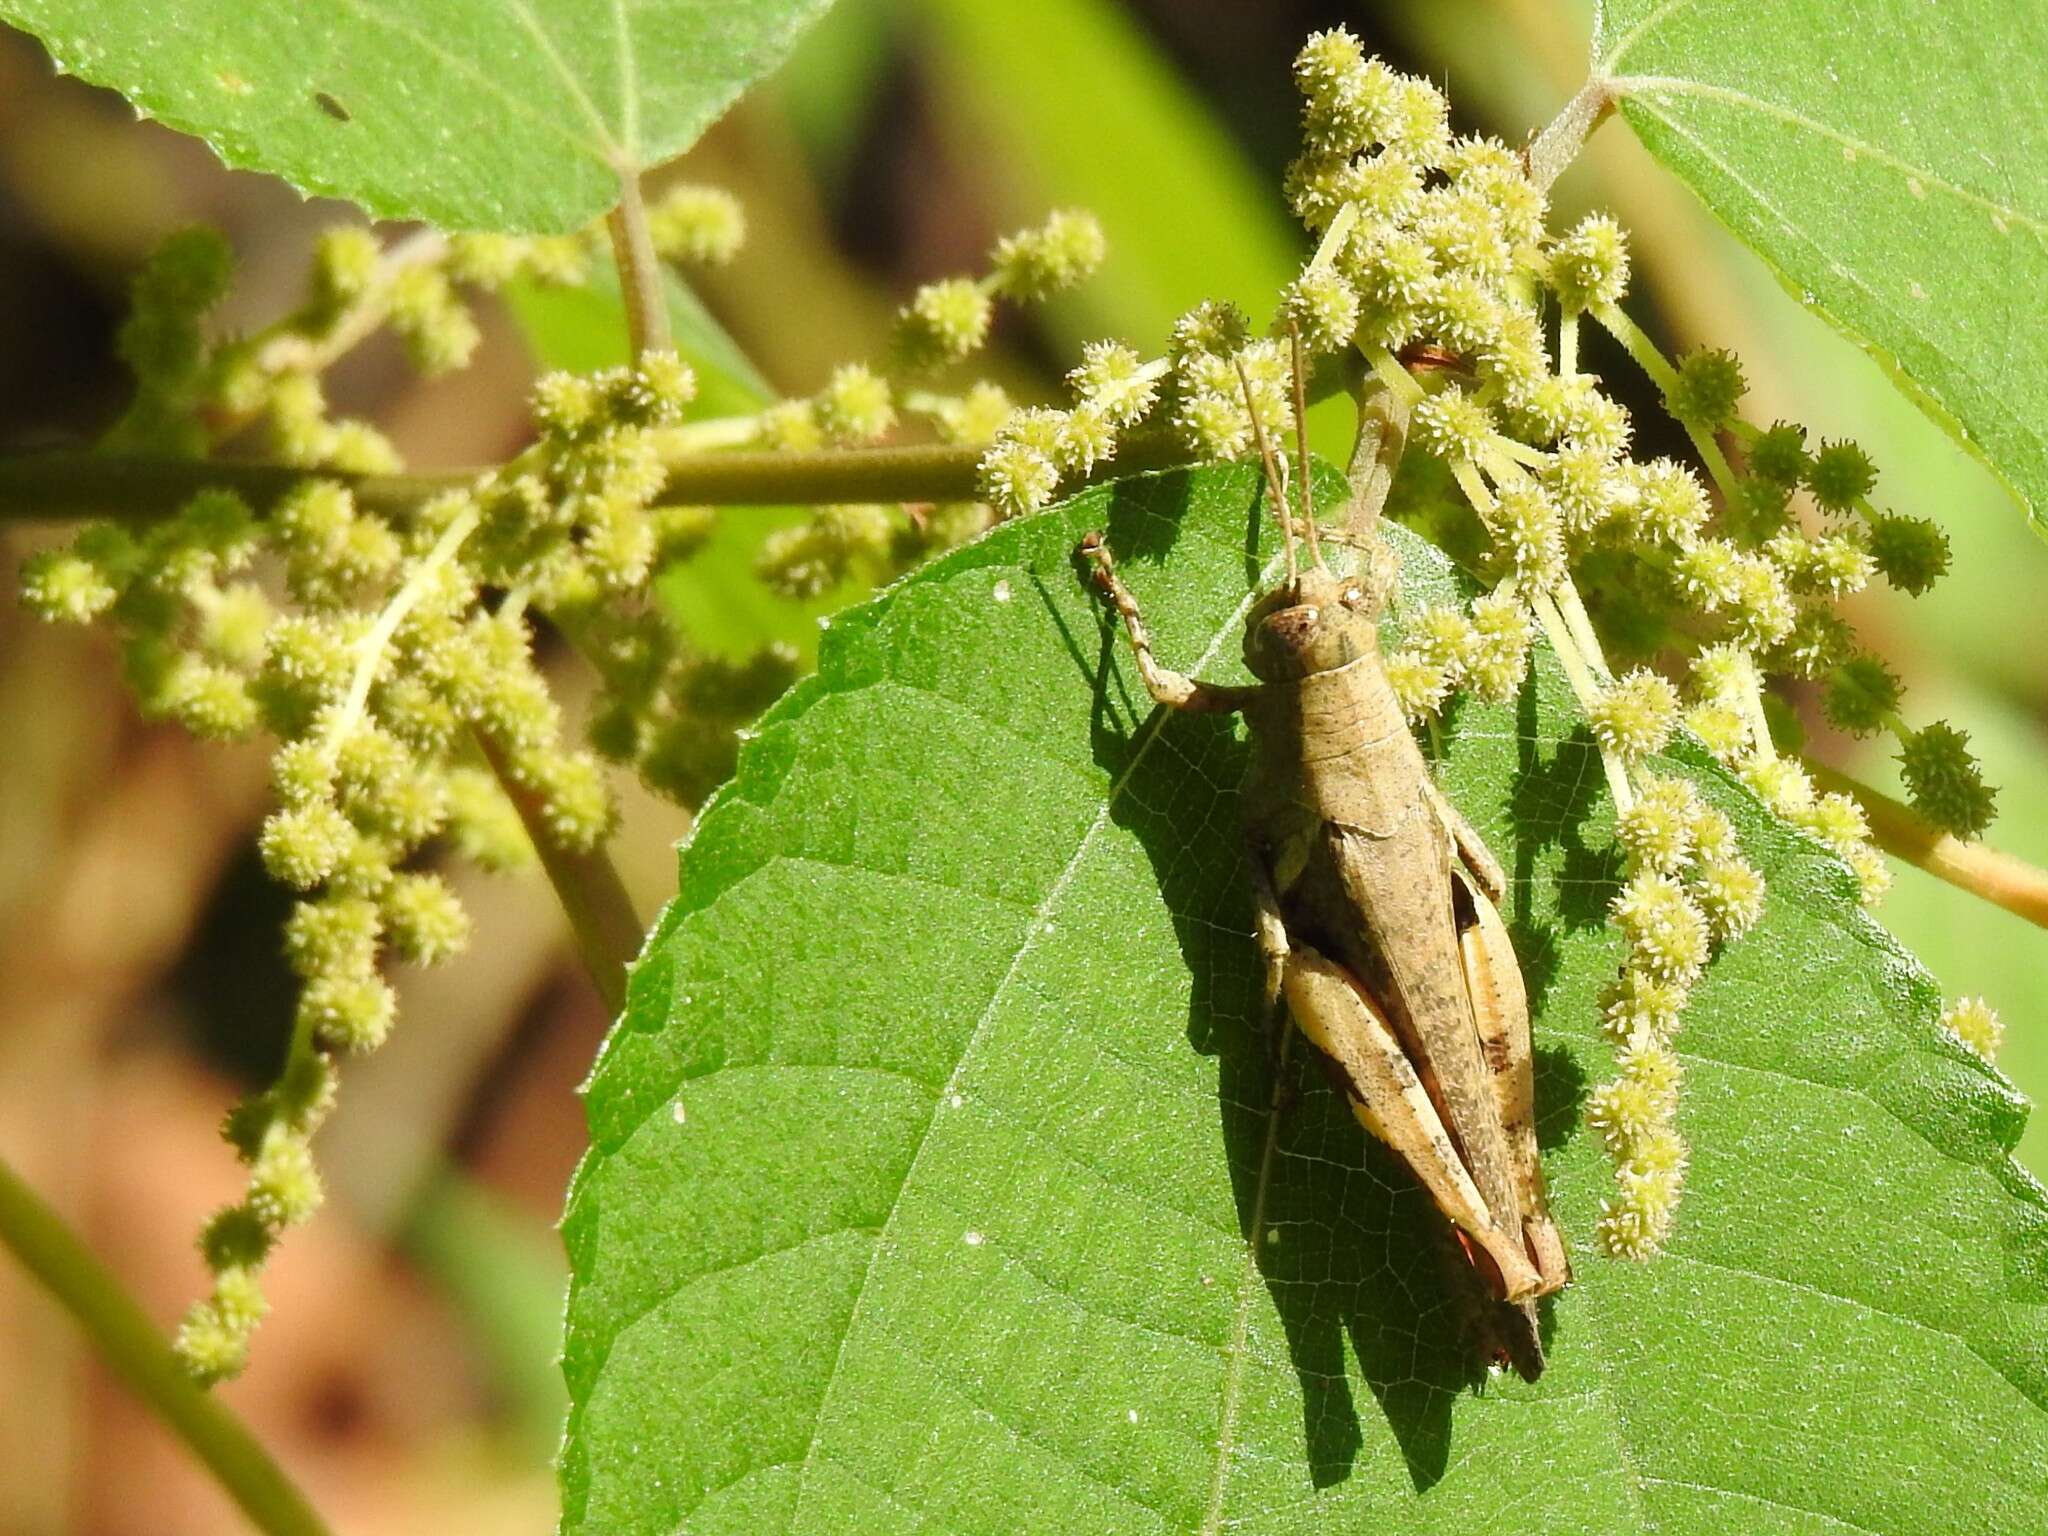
x,y
1436,249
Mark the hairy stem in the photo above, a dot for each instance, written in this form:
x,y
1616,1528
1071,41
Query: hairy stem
x,y
137,491
602,922
131,1346
1383,417
1559,143
1999,878
1651,359
639,269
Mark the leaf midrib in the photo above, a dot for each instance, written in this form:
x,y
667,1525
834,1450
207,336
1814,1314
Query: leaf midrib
x,y
1677,85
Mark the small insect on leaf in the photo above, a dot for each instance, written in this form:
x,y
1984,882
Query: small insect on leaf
x,y
1375,900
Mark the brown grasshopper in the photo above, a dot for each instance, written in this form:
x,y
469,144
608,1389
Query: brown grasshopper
x,y
1375,904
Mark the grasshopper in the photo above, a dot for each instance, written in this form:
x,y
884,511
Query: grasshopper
x,y
1375,902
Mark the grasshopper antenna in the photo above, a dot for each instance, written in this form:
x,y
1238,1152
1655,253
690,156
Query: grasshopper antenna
x,y
1308,506
1273,491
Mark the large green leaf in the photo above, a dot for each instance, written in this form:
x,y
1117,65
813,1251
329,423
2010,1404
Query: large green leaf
x,y
472,114
1889,161
935,1187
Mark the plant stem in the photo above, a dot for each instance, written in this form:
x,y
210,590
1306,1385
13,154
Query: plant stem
x,y
1560,142
1651,359
60,486
639,268
602,922
1999,878
130,1344
1383,418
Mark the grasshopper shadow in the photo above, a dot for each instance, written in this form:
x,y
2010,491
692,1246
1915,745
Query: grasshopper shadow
x,y
1346,1242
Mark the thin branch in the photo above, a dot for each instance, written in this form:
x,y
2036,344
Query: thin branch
x,y
1999,878
1547,155
136,1352
639,268
62,486
608,933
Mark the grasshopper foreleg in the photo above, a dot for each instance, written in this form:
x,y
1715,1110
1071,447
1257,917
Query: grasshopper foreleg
x,y
1176,690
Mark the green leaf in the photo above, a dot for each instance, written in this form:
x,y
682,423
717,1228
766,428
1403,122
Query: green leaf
x,y
507,115
1889,162
934,1183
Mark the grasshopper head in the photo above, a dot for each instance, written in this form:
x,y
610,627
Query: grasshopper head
x,y
1315,622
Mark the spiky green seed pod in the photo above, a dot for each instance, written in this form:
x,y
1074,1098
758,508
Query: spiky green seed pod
x,y
1779,455
1861,695
1945,781
1709,387
1911,551
1840,475
234,1237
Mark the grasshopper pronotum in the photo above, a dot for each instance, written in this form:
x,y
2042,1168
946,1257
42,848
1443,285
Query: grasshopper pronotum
x,y
1375,904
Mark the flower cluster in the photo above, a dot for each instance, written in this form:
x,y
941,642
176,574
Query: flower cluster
x,y
385,642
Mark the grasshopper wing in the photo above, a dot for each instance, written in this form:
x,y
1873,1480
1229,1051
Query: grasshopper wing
x,y
1333,1010
1500,1007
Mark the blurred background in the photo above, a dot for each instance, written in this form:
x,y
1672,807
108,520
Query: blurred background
x,y
407,1374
